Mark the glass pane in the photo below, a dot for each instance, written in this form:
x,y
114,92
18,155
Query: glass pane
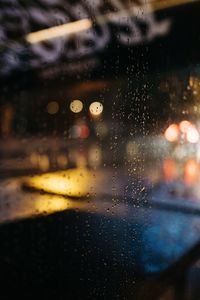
x,y
99,149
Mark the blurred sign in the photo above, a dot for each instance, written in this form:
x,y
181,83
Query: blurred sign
x,y
74,29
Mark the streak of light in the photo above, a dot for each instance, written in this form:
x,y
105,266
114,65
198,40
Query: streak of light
x,y
74,183
58,31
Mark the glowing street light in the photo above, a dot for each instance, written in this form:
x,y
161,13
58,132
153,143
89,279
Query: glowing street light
x,y
192,135
52,107
172,133
96,108
184,126
76,106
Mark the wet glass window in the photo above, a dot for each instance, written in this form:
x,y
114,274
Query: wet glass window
x,y
100,149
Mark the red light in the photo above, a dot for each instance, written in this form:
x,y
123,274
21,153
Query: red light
x,y
85,132
169,170
191,171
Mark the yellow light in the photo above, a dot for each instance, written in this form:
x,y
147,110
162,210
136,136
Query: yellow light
x,y
43,163
96,108
95,156
85,24
50,203
62,161
52,107
58,31
81,161
76,106
34,158
74,182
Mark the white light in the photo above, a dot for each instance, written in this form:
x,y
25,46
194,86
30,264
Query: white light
x,y
58,31
96,108
192,135
184,126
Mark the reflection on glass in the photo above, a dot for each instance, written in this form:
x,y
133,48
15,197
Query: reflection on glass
x,y
74,183
170,170
29,205
95,156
